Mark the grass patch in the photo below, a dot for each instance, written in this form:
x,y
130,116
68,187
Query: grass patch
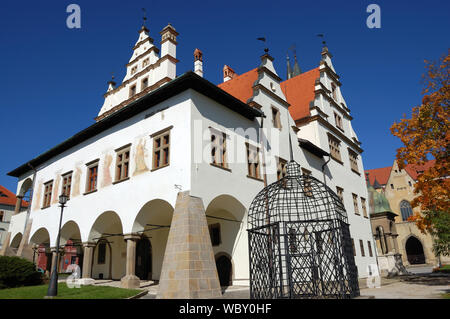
x,y
446,296
64,292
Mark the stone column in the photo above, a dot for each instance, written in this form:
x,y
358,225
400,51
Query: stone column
x,y
130,280
18,204
6,251
189,268
25,249
87,263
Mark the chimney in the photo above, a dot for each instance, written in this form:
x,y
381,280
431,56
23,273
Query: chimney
x,y
228,73
111,84
198,62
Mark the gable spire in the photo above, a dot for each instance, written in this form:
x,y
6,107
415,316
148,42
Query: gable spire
x,y
297,70
289,69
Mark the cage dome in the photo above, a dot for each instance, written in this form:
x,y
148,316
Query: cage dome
x,y
299,241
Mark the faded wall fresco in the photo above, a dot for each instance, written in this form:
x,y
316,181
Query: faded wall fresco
x,y
37,199
76,182
107,179
55,190
139,158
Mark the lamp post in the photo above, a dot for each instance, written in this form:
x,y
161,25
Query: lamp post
x,y
53,285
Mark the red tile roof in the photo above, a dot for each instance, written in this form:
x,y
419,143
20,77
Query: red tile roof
x,y
241,86
382,174
8,198
299,92
299,89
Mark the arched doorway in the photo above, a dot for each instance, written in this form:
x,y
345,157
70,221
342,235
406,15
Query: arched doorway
x,y
144,259
224,268
414,251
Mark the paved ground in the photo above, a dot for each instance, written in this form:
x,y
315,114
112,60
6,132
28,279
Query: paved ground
x,y
416,286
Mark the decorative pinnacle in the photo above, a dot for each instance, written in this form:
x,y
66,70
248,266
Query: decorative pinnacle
x,y
144,18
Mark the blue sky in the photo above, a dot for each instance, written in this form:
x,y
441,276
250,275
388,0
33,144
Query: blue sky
x,y
53,78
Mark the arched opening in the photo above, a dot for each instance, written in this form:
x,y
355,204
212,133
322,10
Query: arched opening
x,y
109,255
224,270
144,258
42,256
152,222
15,243
405,209
73,248
414,251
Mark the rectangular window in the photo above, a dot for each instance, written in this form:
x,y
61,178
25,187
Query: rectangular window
x,y
132,90
276,120
2,215
48,187
355,204
66,184
101,257
353,160
333,91
340,193
145,62
354,249
338,121
92,174
370,248
364,209
161,147
281,168
122,163
335,150
219,149
144,83
361,245
307,186
133,69
214,232
253,161
392,186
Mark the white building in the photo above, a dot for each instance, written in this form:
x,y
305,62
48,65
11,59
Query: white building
x,y
165,144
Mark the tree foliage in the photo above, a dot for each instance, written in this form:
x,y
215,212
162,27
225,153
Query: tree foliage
x,y
425,135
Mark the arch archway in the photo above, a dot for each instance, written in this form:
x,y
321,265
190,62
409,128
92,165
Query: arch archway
x,y
71,242
109,254
414,251
224,269
15,242
144,258
152,222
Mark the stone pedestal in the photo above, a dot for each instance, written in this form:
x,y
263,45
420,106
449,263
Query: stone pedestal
x,y
130,280
87,264
189,269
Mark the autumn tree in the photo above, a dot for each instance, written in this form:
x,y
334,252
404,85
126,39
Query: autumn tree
x,y
425,135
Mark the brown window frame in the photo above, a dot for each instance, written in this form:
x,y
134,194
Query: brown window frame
x,y
338,121
340,193
161,149
276,117
370,248
334,145
122,161
2,215
92,176
361,246
307,187
334,91
281,167
355,204
133,90
145,62
66,184
144,80
218,148
364,208
134,69
253,167
48,190
353,158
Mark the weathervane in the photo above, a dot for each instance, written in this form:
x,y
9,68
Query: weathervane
x,y
144,17
320,35
263,39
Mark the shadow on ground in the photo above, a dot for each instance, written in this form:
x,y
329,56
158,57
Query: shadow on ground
x,y
427,279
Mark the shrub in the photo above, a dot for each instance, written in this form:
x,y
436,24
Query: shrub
x,y
17,272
